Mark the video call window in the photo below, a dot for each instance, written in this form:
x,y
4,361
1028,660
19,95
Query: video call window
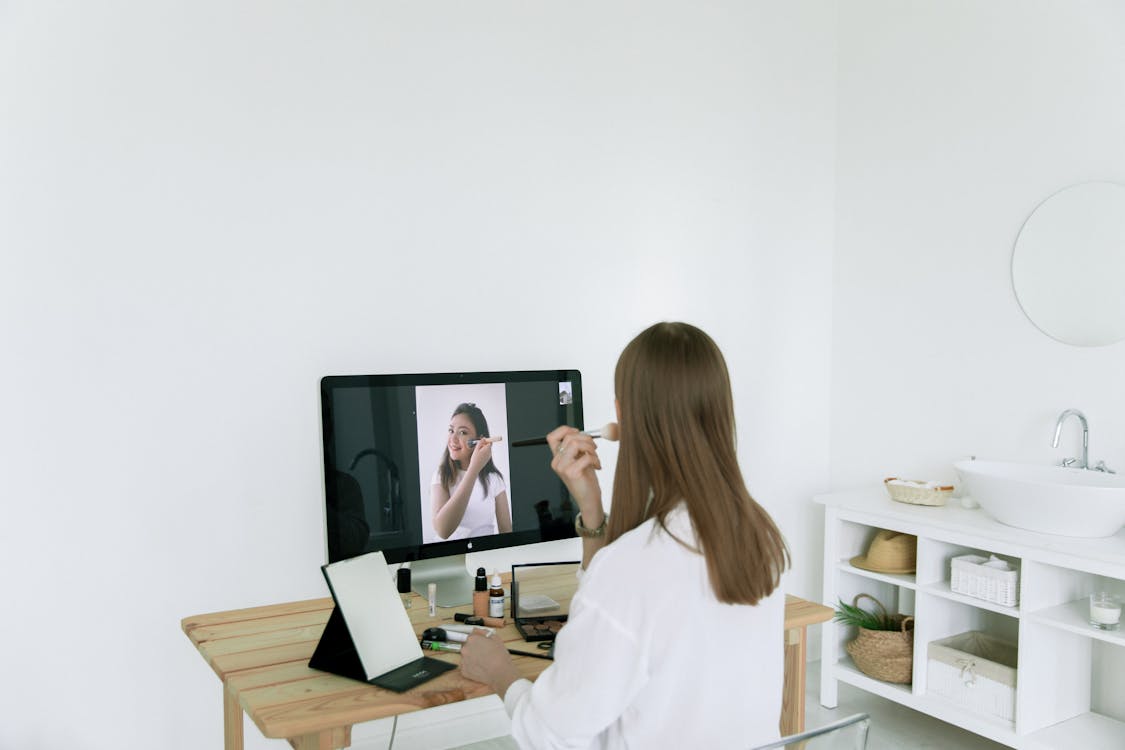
x,y
450,418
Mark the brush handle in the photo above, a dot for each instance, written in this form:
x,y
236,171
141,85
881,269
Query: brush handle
x,y
543,441
528,653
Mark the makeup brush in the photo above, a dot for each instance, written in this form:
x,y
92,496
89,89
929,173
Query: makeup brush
x,y
608,432
495,439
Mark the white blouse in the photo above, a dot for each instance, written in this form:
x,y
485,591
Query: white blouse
x,y
649,658
480,511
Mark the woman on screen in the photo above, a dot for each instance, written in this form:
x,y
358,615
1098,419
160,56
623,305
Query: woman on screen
x,y
674,635
467,492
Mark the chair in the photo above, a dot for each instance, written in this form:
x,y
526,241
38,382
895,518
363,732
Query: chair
x,y
849,734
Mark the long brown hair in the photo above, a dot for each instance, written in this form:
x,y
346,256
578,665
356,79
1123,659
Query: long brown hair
x,y
678,444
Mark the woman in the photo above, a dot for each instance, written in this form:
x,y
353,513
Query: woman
x,y
675,633
467,493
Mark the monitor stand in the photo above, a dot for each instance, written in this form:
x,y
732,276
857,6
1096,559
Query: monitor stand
x,y
454,584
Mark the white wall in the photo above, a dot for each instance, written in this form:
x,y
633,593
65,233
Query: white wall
x,y
206,206
955,120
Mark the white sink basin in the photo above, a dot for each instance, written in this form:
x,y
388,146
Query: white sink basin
x,y
1048,499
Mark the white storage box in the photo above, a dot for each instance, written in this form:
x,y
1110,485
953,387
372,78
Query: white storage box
x,y
988,578
976,671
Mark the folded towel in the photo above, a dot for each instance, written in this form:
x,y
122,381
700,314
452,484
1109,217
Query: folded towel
x,y
996,562
910,483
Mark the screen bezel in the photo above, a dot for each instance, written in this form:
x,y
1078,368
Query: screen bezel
x,y
431,550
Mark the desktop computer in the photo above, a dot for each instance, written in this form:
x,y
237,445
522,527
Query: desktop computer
x,y
400,475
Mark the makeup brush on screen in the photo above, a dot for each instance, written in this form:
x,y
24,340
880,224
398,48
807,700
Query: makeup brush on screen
x,y
608,432
495,439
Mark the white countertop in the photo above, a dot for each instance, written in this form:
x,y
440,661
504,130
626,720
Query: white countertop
x,y
1105,556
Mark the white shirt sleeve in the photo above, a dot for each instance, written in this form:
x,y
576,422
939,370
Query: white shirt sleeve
x,y
516,691
596,677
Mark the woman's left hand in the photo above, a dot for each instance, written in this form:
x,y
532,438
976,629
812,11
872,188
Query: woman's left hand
x,y
486,660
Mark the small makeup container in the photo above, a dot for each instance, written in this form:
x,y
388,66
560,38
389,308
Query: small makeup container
x,y
1105,610
496,597
431,595
404,592
468,619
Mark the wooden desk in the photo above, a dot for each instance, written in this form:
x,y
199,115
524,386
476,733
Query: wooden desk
x,y
799,614
261,655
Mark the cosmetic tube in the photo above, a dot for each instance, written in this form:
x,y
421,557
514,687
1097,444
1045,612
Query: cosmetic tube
x,y
453,635
466,629
441,646
492,622
431,594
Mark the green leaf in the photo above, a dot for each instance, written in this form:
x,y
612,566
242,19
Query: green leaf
x,y
850,614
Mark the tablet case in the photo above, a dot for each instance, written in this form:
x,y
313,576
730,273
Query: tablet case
x,y
384,641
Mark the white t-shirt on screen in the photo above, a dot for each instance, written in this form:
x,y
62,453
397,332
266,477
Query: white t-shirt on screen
x,y
480,513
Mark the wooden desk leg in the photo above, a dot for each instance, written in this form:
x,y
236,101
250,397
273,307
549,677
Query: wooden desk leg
x,y
232,721
793,692
329,739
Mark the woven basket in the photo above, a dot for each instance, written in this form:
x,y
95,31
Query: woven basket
x,y
935,496
886,655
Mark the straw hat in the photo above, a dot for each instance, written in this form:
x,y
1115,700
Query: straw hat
x,y
889,552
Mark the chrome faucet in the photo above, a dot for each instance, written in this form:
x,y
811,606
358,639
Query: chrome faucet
x,y
1074,462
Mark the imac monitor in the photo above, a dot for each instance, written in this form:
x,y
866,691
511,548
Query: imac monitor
x,y
396,448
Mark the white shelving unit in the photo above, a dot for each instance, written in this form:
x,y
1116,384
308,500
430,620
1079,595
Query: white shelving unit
x,y
1065,665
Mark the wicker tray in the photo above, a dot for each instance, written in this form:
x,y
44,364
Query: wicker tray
x,y
917,493
982,578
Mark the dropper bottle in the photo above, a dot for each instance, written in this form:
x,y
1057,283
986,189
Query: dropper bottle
x,y
496,597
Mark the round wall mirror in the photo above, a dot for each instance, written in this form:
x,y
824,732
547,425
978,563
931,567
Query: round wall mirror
x,y
1068,266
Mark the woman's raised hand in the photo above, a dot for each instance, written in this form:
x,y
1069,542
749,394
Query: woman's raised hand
x,y
576,460
482,453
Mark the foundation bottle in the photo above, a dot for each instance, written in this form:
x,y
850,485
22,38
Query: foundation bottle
x,y
480,594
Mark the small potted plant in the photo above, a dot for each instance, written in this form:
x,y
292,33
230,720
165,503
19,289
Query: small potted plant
x,y
884,646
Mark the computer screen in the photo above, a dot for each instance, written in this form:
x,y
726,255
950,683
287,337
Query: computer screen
x,y
396,448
